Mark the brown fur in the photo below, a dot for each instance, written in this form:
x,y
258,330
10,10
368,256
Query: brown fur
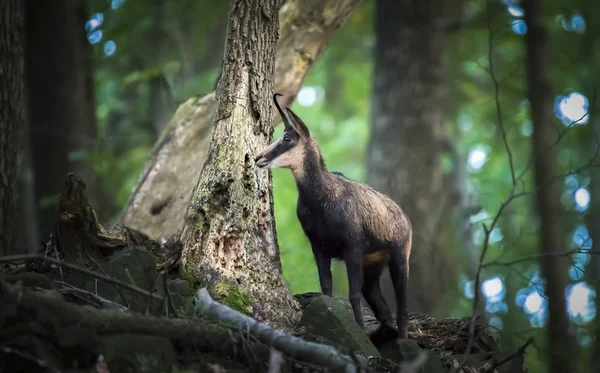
x,y
348,220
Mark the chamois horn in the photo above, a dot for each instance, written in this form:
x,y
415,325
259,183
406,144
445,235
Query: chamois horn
x,y
285,119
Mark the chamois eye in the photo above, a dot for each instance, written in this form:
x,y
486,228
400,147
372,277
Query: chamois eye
x,y
287,139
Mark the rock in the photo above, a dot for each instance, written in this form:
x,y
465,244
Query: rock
x,y
179,292
329,318
406,350
130,353
133,265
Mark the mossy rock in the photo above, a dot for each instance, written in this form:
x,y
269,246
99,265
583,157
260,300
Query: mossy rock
x,y
180,293
329,318
130,353
135,266
406,350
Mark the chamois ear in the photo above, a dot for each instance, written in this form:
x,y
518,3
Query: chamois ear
x,y
298,124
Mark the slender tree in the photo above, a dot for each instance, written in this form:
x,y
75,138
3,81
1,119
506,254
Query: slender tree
x,y
552,241
12,112
406,143
229,235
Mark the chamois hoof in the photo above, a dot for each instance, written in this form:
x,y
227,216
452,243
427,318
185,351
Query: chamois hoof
x,y
383,334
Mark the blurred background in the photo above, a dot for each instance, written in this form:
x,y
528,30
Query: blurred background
x,y
411,106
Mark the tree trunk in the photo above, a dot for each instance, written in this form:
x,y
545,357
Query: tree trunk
x,y
405,147
12,113
163,193
229,235
27,231
61,108
552,240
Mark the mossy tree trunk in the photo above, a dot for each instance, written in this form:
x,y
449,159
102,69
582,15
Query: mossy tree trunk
x,y
229,237
163,192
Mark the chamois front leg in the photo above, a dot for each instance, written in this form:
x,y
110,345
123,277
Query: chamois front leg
x,y
324,268
353,260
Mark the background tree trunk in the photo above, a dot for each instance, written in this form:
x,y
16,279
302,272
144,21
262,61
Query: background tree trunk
x,y
27,231
229,233
61,108
12,113
163,193
406,143
561,346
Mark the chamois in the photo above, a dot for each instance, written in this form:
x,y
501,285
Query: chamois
x,y
346,220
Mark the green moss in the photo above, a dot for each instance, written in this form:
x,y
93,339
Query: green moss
x,y
188,276
228,293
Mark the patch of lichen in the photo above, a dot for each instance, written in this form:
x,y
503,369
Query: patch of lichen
x,y
230,294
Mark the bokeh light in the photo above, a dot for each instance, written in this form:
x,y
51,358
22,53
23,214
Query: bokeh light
x,y
477,157
519,27
95,36
109,48
572,108
307,96
515,10
115,4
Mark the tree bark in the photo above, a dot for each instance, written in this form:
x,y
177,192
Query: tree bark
x,y
12,113
163,193
552,240
406,143
229,235
60,100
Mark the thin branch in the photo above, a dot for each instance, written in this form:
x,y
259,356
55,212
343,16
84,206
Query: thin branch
x,y
506,359
562,133
498,263
497,100
99,276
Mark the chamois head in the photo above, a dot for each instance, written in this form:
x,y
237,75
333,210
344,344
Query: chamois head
x,y
289,150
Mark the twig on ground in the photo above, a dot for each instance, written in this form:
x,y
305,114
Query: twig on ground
x,y
70,289
97,275
297,348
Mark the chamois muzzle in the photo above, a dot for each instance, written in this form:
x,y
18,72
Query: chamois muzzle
x,y
260,161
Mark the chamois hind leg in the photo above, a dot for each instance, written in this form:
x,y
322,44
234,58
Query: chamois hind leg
x,y
353,260
398,266
374,297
